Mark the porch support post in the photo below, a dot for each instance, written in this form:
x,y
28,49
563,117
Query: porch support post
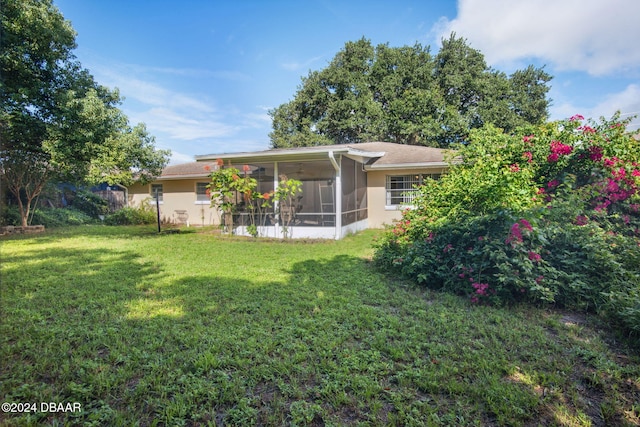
x,y
338,196
276,181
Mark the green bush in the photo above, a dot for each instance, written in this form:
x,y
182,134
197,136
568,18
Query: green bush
x,y
131,216
548,217
90,203
60,217
49,217
10,216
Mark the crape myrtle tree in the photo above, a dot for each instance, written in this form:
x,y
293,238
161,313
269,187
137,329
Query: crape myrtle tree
x,y
407,95
56,122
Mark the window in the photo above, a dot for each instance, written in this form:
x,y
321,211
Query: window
x,y
401,188
156,188
202,192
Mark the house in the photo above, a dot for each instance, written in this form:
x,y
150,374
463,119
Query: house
x,y
345,188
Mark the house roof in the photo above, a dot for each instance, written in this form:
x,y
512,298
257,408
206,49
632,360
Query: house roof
x,y
187,170
375,155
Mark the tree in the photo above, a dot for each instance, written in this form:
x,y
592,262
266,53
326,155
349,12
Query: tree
x,y
56,122
406,95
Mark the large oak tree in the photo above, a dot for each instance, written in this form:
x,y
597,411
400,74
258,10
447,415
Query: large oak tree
x,y
407,95
56,121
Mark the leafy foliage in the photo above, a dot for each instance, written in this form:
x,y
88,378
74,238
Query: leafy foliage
x,y
57,122
549,216
49,217
407,95
286,196
144,214
90,203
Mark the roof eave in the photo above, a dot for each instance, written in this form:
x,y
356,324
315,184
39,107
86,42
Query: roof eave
x,y
399,166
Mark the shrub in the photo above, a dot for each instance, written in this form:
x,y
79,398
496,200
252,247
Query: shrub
x,y
10,216
548,217
49,217
132,216
90,203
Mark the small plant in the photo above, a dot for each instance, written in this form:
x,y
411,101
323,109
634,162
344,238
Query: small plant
x,y
287,195
228,186
144,214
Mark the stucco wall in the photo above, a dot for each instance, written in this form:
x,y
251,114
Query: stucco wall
x,y
379,214
177,195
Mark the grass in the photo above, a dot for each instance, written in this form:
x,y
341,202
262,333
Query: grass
x,y
196,329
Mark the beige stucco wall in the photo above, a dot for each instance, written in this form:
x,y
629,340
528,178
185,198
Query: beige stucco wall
x,y
379,214
177,195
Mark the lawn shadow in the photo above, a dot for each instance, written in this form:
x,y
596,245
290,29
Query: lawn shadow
x,y
61,314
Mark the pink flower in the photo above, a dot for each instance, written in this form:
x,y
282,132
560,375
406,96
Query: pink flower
x,y
576,118
207,168
581,220
635,172
587,129
553,157
527,138
610,162
595,153
481,288
553,183
619,174
526,224
515,235
219,162
559,148
534,256
514,168
246,168
527,155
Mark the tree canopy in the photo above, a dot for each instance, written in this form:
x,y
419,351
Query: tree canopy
x,y
407,95
56,121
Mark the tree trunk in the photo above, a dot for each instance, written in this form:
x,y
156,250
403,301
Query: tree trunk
x,y
23,215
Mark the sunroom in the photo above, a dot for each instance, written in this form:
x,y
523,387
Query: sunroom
x,y
333,200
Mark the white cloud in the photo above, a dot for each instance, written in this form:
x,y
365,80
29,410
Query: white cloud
x,y
627,102
177,158
297,66
183,125
596,36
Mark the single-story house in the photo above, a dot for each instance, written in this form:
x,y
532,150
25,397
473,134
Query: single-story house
x,y
345,188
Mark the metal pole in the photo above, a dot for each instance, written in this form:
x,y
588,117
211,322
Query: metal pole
x,y
158,208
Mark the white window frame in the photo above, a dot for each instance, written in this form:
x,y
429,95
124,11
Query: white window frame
x,y
152,192
402,189
201,197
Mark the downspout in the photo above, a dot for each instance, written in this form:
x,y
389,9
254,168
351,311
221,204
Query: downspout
x,y
338,195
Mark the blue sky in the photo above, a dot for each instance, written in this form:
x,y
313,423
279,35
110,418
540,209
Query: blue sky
x,y
203,74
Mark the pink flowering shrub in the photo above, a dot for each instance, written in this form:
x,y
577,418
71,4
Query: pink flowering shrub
x,y
548,216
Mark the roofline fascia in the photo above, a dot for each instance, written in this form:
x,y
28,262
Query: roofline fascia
x,y
430,165
259,154
174,177
293,151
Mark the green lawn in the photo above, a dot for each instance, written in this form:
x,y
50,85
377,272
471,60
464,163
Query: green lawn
x,y
198,329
